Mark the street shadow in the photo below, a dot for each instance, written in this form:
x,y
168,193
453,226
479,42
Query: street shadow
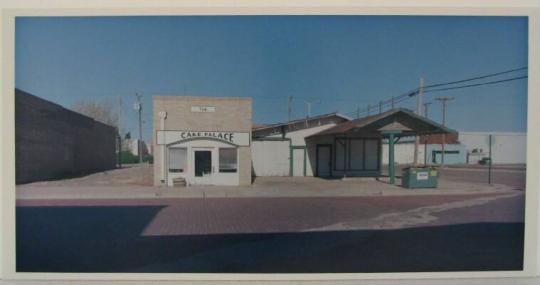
x,y
109,239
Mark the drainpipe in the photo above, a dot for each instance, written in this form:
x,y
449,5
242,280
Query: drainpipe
x,y
162,117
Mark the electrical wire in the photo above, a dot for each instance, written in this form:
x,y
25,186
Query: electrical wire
x,y
477,84
476,78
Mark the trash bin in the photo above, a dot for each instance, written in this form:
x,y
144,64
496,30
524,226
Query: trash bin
x,y
419,177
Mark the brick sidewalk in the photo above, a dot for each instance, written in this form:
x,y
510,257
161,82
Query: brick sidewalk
x,y
196,216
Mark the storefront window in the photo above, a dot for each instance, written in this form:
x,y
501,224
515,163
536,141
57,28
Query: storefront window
x,y
227,159
177,159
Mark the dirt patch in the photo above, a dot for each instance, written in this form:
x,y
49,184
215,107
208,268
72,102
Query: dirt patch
x,y
142,175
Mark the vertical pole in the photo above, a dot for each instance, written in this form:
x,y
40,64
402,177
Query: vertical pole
x,y
162,117
291,163
140,129
425,151
392,102
426,105
119,151
380,107
443,100
489,162
290,108
426,109
368,109
443,142
418,112
391,169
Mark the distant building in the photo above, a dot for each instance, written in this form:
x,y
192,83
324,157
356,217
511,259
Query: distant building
x,y
135,146
506,147
53,142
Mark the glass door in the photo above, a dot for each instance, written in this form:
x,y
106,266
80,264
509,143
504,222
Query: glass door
x,y
203,166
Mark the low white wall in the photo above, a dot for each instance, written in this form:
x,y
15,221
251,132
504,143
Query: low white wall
x,y
404,153
270,158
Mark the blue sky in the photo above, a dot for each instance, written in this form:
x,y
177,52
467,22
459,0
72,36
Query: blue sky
x,y
343,61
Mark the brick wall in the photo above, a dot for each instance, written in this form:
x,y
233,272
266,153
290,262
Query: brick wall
x,y
53,142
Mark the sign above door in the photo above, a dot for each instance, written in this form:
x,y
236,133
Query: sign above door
x,y
235,138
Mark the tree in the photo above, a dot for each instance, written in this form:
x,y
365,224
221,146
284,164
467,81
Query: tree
x,y
102,111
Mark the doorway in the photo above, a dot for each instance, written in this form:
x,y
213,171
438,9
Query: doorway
x,y
203,166
324,160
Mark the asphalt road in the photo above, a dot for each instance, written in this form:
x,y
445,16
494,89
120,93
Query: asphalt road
x,y
272,235
512,177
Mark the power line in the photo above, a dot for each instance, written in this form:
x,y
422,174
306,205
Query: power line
x,y
414,92
475,78
478,84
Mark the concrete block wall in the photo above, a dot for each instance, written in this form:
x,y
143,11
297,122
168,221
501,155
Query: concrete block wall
x,y
53,142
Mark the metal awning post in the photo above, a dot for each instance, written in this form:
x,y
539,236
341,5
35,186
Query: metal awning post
x,y
391,164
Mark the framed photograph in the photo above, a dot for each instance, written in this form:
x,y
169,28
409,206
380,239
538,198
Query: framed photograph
x,y
255,142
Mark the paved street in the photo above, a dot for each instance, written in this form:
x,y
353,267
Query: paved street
x,y
309,234
113,222
514,178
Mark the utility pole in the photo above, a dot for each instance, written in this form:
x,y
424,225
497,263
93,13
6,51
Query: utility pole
x,y
443,101
308,104
392,102
368,109
119,132
419,99
426,109
138,107
380,107
290,108
426,105
490,159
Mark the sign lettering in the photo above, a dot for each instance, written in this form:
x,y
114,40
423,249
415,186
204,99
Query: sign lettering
x,y
236,138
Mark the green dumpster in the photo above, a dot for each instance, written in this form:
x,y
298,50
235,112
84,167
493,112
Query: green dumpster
x,y
419,177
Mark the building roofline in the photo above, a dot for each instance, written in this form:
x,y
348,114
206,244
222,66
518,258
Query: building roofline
x,y
62,107
367,120
303,120
191,97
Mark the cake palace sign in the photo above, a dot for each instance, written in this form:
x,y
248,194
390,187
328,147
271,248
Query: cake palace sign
x,y
236,138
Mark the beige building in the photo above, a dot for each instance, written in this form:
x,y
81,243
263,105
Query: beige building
x,y
202,140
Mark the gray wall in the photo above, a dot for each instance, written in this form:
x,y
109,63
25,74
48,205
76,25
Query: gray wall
x,y
53,142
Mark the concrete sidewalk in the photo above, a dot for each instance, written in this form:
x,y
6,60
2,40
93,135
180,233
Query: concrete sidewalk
x,y
262,187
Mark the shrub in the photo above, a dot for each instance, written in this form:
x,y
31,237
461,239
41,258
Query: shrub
x,y
127,157
148,158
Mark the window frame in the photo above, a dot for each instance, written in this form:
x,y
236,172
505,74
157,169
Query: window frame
x,y
224,170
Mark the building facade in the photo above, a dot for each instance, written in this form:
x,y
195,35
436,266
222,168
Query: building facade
x,y
282,150
506,147
52,142
334,146
202,140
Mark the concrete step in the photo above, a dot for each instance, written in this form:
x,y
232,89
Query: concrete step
x,y
179,182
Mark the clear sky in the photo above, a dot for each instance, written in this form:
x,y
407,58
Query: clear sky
x,y
343,61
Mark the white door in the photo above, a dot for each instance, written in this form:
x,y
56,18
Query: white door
x,y
324,160
298,161
203,166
